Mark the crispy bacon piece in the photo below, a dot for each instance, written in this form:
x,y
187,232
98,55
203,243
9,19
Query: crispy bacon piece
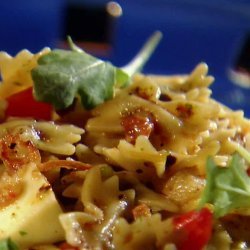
x,y
137,124
55,164
15,152
185,111
141,211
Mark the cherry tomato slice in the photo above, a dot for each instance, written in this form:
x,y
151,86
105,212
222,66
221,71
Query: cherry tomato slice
x,y
193,229
23,104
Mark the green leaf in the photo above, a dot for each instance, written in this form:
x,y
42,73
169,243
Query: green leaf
x,y
61,75
122,78
227,188
8,244
143,55
73,46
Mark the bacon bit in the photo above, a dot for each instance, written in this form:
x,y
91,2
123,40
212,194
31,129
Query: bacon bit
x,y
248,171
89,226
44,188
141,210
185,110
142,93
137,124
53,164
15,152
67,246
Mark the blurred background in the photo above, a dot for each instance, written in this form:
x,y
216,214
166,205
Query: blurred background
x,y
216,32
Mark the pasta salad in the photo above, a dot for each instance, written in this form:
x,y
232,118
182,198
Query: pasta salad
x,y
99,157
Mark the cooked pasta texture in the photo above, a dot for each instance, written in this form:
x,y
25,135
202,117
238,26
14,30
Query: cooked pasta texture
x,y
124,171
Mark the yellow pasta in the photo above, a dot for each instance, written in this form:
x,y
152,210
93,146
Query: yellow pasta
x,y
15,71
46,136
133,157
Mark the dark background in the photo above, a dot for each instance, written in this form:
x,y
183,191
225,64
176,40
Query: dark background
x,y
214,32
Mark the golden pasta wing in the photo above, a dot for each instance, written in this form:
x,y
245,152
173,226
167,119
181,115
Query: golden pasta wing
x,y
46,136
149,232
103,203
16,71
132,157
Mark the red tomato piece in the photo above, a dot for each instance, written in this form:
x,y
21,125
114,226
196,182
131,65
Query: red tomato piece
x,y
23,104
193,229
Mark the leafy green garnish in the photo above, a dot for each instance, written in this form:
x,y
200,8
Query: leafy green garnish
x,y
227,188
8,244
61,75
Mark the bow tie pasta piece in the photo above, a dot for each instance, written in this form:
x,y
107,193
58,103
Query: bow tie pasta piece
x,y
15,71
46,136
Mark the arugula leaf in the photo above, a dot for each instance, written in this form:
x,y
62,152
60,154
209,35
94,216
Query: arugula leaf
x,y
61,75
227,188
8,244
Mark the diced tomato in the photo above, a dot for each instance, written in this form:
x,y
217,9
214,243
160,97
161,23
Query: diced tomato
x,y
193,229
23,104
135,125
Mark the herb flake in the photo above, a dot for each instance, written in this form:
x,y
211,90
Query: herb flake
x,y
8,244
